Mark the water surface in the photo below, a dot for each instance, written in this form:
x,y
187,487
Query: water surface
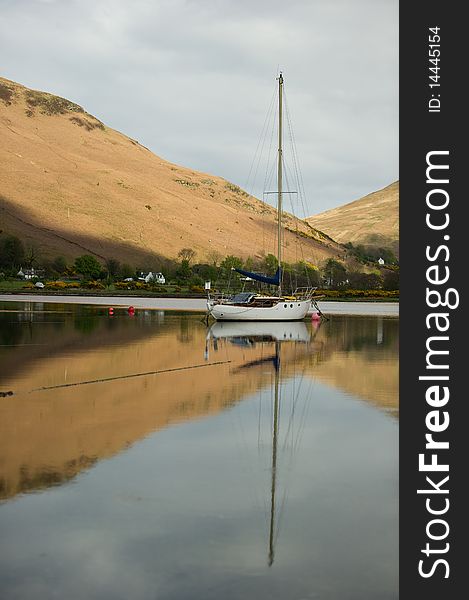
x,y
151,457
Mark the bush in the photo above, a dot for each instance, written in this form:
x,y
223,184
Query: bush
x,y
158,288
95,285
331,294
131,285
61,285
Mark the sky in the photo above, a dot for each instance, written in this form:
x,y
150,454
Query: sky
x,y
192,80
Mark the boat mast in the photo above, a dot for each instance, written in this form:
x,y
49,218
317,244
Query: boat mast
x,y
279,180
274,457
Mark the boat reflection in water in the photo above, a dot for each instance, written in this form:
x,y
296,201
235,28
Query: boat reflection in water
x,y
276,331
274,336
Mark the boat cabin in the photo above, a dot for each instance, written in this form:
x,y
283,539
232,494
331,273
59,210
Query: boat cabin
x,y
243,298
254,300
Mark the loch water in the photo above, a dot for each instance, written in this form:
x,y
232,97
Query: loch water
x,y
150,456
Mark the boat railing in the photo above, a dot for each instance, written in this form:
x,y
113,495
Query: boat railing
x,y
304,293
301,293
220,296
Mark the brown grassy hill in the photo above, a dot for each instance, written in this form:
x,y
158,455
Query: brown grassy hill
x,y
372,220
69,185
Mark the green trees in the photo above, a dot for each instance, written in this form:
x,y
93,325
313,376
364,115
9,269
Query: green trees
x,y
391,280
12,252
305,274
113,267
334,273
206,271
331,274
231,262
270,264
88,266
372,253
364,281
184,271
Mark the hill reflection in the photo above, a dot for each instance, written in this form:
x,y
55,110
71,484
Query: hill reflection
x,y
86,386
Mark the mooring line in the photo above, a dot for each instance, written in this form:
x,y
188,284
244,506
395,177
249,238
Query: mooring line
x,y
106,379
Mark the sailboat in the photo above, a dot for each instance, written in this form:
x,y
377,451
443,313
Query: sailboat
x,y
251,306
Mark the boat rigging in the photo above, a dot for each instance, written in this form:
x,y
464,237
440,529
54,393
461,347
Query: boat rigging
x,y
248,306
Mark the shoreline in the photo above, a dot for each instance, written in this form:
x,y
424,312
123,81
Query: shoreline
x,y
328,307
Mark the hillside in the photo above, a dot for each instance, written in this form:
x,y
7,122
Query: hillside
x,y
372,220
70,185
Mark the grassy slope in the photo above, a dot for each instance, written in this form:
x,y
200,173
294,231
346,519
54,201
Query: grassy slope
x,y
372,220
70,185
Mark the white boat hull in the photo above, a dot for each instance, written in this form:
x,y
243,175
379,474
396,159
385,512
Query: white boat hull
x,y
285,310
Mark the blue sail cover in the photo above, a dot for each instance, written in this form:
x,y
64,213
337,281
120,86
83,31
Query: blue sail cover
x,y
275,280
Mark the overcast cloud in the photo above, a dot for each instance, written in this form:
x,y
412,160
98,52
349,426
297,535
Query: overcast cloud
x,y
192,79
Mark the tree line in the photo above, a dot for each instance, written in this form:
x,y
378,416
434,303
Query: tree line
x,y
185,271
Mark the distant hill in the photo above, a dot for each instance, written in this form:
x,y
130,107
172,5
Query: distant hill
x,y
70,185
372,220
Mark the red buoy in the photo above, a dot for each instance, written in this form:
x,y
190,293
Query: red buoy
x,y
111,310
315,317
131,310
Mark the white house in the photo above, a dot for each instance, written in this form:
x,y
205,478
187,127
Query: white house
x,y
158,277
30,273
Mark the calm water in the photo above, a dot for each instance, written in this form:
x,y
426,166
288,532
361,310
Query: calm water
x,y
148,457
